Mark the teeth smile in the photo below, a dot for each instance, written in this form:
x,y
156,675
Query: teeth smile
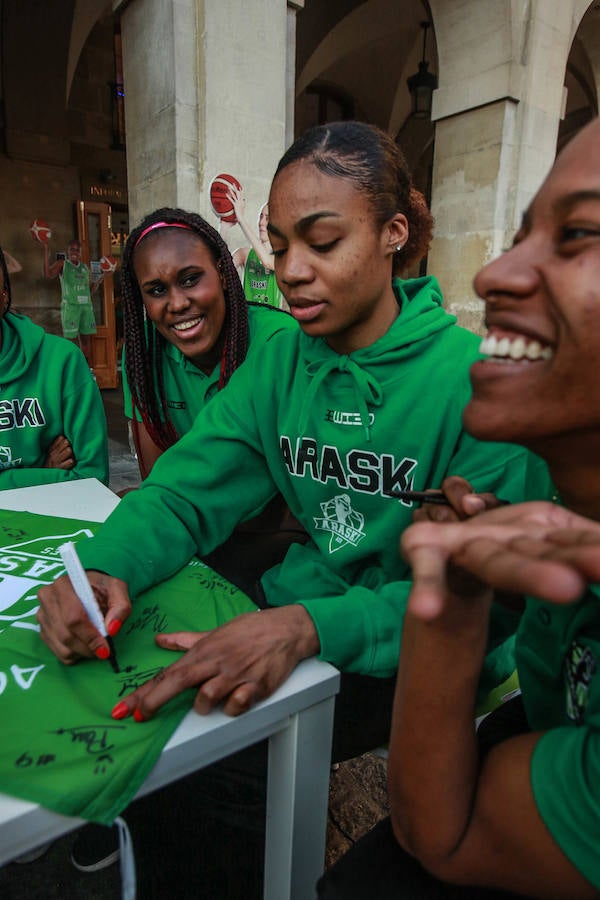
x,y
514,348
184,326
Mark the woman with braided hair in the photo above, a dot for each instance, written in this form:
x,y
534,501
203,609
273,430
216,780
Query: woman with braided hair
x,y
187,326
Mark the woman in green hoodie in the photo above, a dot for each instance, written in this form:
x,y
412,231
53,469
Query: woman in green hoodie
x,y
364,399
52,423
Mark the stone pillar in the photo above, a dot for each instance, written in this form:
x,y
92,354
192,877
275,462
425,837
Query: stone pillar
x,y
290,76
497,110
205,92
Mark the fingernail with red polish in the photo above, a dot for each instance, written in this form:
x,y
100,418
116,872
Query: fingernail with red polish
x,y
138,716
114,627
120,711
102,652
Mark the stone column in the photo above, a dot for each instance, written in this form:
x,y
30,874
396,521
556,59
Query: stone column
x,y
205,92
497,110
290,77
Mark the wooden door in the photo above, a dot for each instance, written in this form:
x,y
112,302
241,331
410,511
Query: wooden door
x,y
94,226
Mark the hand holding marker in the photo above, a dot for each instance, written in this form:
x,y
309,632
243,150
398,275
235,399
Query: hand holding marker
x,y
432,496
84,591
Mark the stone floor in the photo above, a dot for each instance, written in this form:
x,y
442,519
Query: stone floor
x,y
357,800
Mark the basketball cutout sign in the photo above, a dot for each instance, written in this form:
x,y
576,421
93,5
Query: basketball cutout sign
x,y
108,264
40,231
220,202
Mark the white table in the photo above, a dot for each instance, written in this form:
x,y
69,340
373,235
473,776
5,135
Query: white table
x,y
297,719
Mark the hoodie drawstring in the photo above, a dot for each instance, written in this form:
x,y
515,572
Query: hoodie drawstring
x,y
367,389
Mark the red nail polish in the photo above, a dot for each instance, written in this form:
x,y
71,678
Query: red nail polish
x,y
138,716
102,652
114,627
120,711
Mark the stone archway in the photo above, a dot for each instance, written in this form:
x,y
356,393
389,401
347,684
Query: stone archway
x,y
85,15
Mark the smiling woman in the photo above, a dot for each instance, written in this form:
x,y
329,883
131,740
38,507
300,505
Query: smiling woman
x,y
187,326
514,809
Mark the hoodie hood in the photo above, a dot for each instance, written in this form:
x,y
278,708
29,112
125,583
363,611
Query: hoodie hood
x,y
421,317
21,341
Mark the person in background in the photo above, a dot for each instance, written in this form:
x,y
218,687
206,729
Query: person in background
x,y
512,810
52,423
256,262
188,328
76,310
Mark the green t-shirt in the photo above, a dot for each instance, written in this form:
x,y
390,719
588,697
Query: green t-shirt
x,y
75,283
187,388
60,747
558,658
260,285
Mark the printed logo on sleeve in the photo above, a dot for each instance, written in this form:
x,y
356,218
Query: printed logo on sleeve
x,y
580,668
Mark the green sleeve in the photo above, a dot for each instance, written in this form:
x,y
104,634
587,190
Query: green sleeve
x,y
565,773
198,491
370,640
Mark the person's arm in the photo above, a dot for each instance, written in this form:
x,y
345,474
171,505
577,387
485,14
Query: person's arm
x,y
214,477
60,454
239,257
472,823
239,205
94,285
51,270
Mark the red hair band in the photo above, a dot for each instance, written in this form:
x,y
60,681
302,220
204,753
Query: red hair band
x,y
161,225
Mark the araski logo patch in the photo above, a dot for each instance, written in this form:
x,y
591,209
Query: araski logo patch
x,y
25,567
344,524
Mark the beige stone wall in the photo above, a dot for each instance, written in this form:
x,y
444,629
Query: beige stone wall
x,y
467,164
497,113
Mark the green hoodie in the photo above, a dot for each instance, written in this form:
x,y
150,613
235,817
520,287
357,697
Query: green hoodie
x,y
334,434
46,389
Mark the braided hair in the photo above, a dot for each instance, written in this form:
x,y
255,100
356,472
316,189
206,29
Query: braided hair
x,y
6,279
144,345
